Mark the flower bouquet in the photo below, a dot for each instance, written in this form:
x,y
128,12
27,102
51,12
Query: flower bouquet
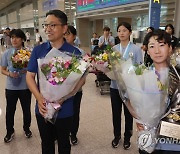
x,y
147,95
59,73
102,63
19,60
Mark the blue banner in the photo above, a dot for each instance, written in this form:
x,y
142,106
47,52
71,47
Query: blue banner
x,y
154,13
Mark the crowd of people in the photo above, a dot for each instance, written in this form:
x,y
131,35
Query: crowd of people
x,y
21,84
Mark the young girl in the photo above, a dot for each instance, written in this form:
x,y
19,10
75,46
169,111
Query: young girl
x,y
159,48
126,48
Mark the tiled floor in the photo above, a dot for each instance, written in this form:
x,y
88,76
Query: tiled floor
x,y
95,132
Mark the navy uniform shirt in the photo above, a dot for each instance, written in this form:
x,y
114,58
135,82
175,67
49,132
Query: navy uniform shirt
x,y
40,52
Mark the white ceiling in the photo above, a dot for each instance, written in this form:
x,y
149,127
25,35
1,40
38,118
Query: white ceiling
x,y
5,3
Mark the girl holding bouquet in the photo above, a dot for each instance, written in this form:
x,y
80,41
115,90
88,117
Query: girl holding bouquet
x,y
70,36
127,50
55,27
159,48
16,87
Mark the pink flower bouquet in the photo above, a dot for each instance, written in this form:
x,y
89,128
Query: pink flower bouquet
x,y
58,75
102,63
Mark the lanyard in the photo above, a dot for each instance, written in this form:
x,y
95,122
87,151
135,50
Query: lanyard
x,y
126,52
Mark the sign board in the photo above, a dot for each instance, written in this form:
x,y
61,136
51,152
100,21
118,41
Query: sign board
x,y
154,13
49,5
88,5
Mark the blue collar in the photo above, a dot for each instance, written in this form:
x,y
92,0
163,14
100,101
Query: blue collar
x,y
62,48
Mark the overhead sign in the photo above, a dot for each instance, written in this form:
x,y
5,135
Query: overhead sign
x,y
154,13
88,5
49,5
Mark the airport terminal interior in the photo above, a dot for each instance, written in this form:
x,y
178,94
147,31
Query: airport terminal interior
x,y
95,132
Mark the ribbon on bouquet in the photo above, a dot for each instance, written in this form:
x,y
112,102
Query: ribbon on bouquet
x,y
55,104
52,111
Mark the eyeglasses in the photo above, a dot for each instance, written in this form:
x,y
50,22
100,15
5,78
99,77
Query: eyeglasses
x,y
51,26
67,33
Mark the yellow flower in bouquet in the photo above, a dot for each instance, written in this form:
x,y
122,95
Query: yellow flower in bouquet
x,y
105,56
103,59
20,58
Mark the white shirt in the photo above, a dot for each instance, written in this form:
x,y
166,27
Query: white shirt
x,y
1,36
37,37
27,35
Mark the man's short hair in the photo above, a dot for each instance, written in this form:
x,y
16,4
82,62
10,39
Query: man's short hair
x,y
59,14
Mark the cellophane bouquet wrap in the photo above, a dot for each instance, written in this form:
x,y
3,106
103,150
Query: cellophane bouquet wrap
x,y
102,63
147,91
59,73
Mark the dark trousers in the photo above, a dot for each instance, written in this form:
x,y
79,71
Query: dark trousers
x,y
2,41
159,152
76,104
48,132
116,103
12,97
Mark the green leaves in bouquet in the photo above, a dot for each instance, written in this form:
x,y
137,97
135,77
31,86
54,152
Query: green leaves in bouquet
x,y
139,69
114,56
109,48
45,68
74,64
57,69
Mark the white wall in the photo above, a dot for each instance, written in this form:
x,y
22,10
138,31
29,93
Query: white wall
x,y
3,21
12,17
26,12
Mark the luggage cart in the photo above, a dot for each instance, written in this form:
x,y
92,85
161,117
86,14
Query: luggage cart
x,y
103,82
